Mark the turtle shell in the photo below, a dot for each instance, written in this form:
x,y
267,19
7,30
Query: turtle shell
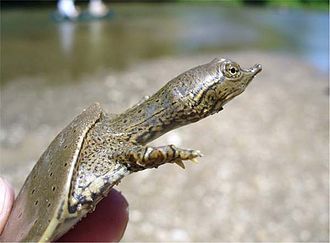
x,y
41,207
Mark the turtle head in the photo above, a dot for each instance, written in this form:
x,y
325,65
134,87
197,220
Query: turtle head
x,y
232,71
231,80
219,81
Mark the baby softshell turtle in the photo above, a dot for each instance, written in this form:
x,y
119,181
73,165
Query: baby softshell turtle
x,y
96,150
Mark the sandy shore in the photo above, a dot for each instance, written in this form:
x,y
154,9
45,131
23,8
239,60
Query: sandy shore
x,y
264,176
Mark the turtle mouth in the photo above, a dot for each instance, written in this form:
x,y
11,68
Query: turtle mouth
x,y
252,72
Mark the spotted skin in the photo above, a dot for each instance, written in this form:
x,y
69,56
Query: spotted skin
x,y
97,150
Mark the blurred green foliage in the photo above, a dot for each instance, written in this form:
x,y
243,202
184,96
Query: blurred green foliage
x,y
318,4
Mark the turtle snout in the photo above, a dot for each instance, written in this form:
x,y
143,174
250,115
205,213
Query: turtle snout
x,y
256,69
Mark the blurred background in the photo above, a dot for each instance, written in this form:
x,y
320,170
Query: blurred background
x,y
265,173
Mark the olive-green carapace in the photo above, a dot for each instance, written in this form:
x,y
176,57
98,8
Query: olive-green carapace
x,y
96,150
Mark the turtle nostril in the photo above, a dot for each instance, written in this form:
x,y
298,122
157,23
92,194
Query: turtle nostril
x,y
257,68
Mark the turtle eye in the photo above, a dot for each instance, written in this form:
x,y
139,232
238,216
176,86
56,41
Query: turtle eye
x,y
232,71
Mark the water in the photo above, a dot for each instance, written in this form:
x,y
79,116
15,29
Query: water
x,y
32,45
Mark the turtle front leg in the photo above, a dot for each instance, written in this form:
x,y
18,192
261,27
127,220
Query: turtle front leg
x,y
152,157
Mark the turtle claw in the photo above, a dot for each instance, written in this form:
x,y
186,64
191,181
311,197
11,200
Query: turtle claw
x,y
197,153
180,163
192,157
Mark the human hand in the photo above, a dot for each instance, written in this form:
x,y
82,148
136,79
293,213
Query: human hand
x,y
107,223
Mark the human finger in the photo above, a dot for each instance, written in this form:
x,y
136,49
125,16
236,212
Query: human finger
x,y
6,202
107,223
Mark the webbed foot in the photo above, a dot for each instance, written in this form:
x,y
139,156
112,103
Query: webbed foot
x,y
150,157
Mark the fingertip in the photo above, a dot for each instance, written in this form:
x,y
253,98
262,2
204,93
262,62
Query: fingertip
x,y
7,197
107,223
